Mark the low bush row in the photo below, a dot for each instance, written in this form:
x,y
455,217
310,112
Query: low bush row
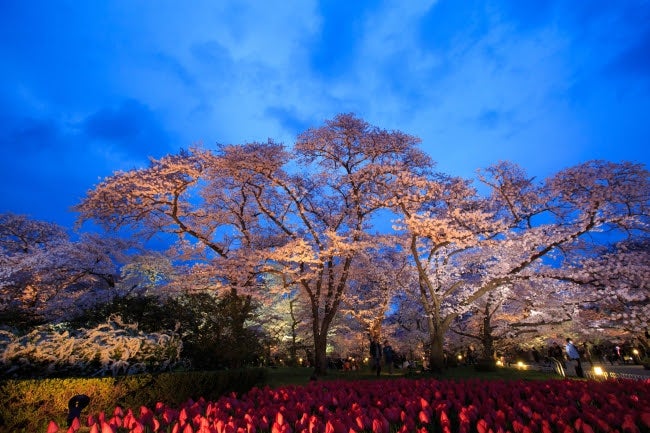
x,y
28,405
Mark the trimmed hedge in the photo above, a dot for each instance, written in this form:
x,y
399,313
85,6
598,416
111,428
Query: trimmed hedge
x,y
29,405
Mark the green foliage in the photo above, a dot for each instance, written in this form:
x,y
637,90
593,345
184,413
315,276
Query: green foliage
x,y
28,405
15,317
149,312
486,365
139,333
214,329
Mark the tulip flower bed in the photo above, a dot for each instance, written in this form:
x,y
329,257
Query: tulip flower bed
x,y
402,405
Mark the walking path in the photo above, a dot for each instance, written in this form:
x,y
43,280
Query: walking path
x,y
607,370
615,371
623,370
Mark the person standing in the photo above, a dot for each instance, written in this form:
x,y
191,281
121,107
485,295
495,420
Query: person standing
x,y
574,356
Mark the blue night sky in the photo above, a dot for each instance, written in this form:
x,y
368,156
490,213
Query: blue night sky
x,y
91,87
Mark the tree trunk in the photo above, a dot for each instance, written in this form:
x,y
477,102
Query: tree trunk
x,y
320,354
487,340
293,349
436,352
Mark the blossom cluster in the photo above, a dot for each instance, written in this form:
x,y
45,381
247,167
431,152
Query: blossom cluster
x,y
401,405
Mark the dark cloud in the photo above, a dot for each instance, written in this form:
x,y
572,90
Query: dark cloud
x,y
212,54
59,51
23,128
530,16
168,63
30,135
45,168
634,60
446,24
132,127
332,54
216,60
489,119
288,119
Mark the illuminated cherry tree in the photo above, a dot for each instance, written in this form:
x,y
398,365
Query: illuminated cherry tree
x,y
377,276
616,287
465,246
247,210
45,276
523,314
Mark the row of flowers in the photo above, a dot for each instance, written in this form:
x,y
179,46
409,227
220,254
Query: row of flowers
x,y
402,405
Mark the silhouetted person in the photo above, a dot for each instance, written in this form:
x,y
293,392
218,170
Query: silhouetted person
x,y
75,405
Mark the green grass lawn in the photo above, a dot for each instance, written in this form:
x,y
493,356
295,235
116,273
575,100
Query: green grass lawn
x,y
300,375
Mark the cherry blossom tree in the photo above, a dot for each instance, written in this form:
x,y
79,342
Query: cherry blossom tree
x,y
524,313
376,277
321,215
616,287
465,246
45,276
247,210
148,273
284,315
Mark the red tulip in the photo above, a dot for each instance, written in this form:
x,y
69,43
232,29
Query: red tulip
x,y
116,422
182,416
108,428
339,427
645,418
444,420
75,425
168,416
517,426
628,425
52,427
500,418
205,429
94,429
283,428
363,422
392,414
